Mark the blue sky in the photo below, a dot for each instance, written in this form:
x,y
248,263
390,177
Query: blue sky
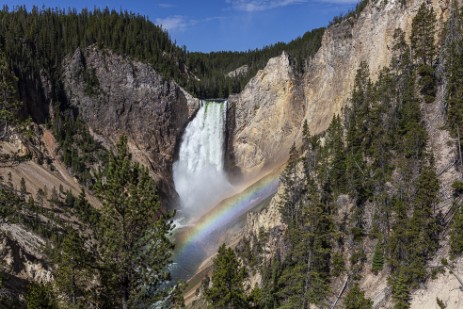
x,y
214,25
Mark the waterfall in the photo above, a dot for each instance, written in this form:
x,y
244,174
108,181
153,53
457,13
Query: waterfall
x,y
199,176
210,205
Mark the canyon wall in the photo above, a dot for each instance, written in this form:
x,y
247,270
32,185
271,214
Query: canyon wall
x,y
329,78
117,96
266,117
326,88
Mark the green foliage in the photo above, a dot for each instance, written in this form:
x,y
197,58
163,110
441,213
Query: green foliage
x,y
427,82
358,126
212,68
424,50
78,149
40,297
293,189
456,235
356,299
256,298
338,264
457,187
441,303
74,273
335,147
270,274
9,104
378,259
251,250
304,276
414,239
177,296
227,281
57,33
381,145
400,291
422,36
454,74
133,230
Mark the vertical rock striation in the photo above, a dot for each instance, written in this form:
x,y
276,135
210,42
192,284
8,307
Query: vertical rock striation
x,y
329,78
264,119
267,117
117,96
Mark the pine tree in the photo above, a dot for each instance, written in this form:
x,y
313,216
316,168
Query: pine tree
x,y
424,50
356,299
357,125
40,297
305,135
412,137
424,230
177,296
305,276
227,281
293,188
441,303
9,104
22,187
54,198
335,145
401,56
40,198
400,291
73,271
453,61
456,235
378,259
422,36
133,231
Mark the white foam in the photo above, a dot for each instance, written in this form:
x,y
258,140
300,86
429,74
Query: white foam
x,y
199,176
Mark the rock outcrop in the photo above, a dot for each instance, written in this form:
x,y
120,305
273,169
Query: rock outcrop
x,y
281,102
326,88
264,119
117,96
269,113
242,70
21,251
329,78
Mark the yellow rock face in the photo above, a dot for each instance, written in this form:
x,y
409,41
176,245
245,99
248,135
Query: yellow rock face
x,y
269,113
329,79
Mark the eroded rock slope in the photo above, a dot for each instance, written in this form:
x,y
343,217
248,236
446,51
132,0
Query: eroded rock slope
x,y
117,96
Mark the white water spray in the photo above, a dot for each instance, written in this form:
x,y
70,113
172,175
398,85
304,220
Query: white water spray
x,y
199,176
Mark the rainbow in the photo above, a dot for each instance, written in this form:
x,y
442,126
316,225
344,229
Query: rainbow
x,y
209,227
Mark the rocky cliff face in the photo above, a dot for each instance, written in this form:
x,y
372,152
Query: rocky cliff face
x,y
330,75
326,88
269,113
267,117
117,96
264,119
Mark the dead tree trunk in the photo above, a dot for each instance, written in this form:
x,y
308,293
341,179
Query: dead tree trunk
x,y
340,293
